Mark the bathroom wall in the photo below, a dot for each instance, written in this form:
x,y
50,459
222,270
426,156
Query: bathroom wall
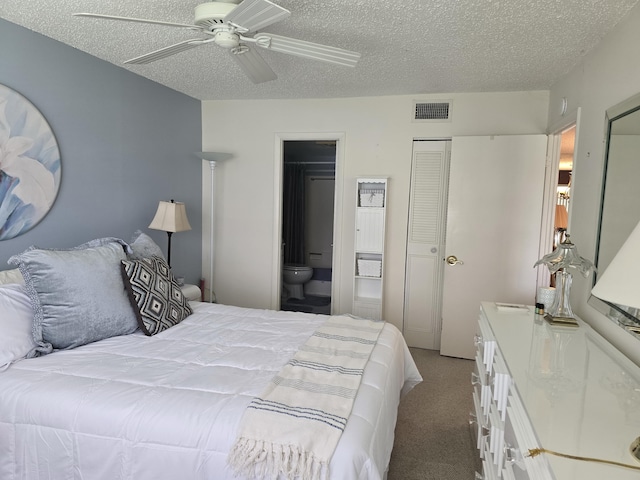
x,y
320,191
319,220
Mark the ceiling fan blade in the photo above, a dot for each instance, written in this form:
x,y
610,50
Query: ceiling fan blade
x,y
251,15
166,51
139,20
314,51
254,66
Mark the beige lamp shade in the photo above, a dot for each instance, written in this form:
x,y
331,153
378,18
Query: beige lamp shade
x,y
171,217
562,218
620,282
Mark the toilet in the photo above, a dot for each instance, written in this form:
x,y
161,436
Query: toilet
x,y
294,276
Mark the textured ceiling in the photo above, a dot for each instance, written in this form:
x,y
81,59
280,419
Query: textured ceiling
x,y
408,47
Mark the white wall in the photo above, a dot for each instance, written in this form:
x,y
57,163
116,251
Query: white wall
x,y
604,78
378,136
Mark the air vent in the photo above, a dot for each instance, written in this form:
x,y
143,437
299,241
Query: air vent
x,y
431,111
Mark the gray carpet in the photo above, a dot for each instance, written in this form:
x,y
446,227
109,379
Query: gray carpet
x,y
432,438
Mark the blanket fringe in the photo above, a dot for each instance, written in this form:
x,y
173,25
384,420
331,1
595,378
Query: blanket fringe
x,y
265,460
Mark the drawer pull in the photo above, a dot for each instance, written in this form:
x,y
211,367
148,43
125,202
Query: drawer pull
x,y
473,418
510,454
478,380
477,340
513,456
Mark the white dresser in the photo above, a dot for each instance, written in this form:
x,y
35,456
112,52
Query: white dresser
x,y
565,389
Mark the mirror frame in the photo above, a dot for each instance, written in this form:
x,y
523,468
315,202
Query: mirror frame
x,y
626,317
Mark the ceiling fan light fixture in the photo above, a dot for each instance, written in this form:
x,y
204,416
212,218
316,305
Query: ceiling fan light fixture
x,y
227,39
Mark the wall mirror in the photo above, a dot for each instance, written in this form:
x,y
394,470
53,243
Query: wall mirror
x,y
620,204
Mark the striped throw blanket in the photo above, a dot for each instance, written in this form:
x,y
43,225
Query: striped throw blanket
x,y
293,428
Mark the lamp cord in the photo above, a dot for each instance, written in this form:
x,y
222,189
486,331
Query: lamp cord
x,y
534,452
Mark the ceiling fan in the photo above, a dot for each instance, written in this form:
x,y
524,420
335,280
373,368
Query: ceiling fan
x,y
226,23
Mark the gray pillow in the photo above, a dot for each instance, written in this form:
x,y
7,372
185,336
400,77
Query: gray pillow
x,y
77,294
143,246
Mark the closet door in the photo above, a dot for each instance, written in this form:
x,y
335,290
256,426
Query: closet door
x,y
496,185
425,244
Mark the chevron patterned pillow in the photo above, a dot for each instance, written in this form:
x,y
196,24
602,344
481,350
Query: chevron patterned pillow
x,y
155,294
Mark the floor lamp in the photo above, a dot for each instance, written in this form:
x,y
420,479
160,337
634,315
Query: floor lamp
x,y
212,158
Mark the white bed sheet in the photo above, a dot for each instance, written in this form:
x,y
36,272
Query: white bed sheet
x,y
168,407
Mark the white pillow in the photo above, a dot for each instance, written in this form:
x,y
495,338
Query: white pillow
x,y
16,323
11,276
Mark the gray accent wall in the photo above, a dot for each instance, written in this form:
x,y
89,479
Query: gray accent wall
x,y
125,144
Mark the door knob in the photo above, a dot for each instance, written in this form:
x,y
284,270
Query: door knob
x,y
453,260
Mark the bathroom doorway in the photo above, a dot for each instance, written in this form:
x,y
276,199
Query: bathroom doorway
x,y
308,193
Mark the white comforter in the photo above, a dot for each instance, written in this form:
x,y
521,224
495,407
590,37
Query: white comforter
x,y
168,407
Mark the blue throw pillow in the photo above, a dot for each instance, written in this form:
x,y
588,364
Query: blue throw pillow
x,y
77,294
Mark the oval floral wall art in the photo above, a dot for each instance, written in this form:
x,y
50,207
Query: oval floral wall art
x,y
29,165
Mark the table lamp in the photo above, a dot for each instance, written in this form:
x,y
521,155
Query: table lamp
x,y
620,282
559,262
170,217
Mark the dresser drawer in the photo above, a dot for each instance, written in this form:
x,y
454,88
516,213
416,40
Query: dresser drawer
x,y
513,456
507,474
496,437
489,468
511,472
519,438
480,379
485,343
500,380
478,423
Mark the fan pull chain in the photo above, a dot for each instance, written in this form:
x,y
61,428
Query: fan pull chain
x,y
534,452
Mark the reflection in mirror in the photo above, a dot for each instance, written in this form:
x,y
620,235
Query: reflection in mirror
x,y
620,208
622,316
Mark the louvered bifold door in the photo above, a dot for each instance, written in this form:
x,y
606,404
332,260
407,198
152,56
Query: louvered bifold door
x,y
425,244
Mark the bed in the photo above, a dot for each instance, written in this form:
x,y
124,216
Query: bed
x,y
169,405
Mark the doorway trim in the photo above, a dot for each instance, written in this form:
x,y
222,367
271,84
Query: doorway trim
x,y
280,138
554,133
